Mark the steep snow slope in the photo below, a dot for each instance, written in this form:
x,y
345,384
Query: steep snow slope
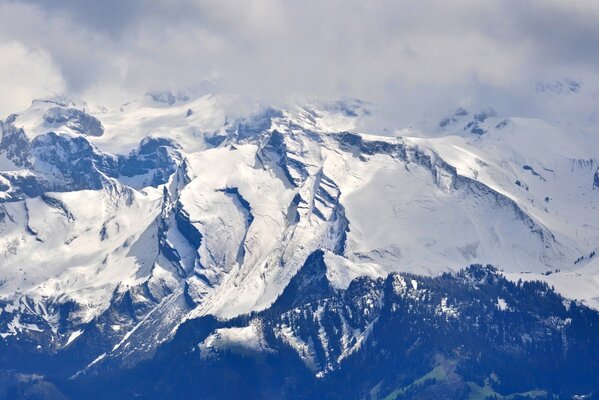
x,y
78,244
170,209
550,172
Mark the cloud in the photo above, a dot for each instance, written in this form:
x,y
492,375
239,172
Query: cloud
x,y
25,74
408,55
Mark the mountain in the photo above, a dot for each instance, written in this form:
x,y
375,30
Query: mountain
x,y
133,237
469,335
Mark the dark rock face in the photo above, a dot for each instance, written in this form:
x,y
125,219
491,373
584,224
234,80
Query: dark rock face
x,y
188,230
256,124
55,162
75,119
154,156
475,126
275,152
70,158
13,142
58,162
310,284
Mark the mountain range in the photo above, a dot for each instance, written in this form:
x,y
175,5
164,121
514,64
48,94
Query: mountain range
x,y
189,247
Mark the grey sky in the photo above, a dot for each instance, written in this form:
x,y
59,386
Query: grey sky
x,y
407,55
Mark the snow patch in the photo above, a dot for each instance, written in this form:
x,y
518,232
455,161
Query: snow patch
x,y
239,340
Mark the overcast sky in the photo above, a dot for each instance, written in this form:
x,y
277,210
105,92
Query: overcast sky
x,y
410,56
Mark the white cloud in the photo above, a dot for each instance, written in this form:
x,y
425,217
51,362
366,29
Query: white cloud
x,y
409,55
24,75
